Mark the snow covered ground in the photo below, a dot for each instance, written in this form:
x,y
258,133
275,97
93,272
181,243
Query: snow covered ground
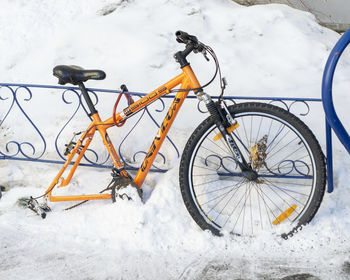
x,y
269,50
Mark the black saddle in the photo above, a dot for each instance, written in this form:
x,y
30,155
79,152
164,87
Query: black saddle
x,y
75,74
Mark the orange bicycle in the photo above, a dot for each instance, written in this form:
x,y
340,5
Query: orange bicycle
x,y
247,168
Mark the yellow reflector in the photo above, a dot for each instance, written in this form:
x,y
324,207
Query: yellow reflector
x,y
229,130
284,215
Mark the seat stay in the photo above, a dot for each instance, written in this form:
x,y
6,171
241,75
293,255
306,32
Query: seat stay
x,y
80,151
79,148
102,128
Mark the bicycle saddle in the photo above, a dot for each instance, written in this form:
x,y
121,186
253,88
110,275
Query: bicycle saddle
x,y
75,74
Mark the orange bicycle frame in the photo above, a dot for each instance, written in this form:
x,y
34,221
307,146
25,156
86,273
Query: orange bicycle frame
x,y
187,79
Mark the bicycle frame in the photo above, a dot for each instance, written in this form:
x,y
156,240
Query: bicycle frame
x,y
187,79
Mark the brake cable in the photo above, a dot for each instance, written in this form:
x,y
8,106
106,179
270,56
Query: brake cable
x,y
217,70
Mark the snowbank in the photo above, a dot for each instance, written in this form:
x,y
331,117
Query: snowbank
x,y
269,50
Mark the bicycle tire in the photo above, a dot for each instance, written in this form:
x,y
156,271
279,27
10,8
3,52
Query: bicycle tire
x,y
203,155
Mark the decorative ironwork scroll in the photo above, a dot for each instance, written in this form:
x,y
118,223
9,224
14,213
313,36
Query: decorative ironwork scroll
x,y
13,147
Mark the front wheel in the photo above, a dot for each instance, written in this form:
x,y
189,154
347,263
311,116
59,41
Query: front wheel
x,y
279,147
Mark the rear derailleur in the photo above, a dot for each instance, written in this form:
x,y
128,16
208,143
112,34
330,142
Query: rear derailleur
x,y
33,204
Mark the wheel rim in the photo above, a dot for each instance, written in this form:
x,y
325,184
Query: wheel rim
x,y
275,203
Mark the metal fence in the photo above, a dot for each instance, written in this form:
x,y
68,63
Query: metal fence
x,y
22,125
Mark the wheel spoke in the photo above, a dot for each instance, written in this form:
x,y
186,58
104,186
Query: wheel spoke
x,y
285,163
219,196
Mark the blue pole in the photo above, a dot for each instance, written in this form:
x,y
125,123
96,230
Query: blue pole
x,y
327,98
329,160
332,120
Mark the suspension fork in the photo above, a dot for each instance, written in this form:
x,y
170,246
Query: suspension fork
x,y
223,120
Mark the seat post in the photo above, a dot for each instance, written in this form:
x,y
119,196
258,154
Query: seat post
x,y
87,98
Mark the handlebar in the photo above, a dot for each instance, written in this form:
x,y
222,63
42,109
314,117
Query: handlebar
x,y
192,44
185,38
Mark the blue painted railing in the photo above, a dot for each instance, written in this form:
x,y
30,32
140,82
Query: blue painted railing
x,y
18,150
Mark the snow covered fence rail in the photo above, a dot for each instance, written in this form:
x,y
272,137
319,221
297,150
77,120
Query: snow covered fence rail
x,y
35,124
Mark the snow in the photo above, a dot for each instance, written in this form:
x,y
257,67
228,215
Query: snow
x,y
269,50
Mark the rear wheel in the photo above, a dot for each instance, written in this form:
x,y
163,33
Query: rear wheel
x,y
279,147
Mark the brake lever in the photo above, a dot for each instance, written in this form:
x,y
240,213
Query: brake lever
x,y
205,55
202,50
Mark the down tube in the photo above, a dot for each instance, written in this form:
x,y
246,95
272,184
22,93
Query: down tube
x,y
161,134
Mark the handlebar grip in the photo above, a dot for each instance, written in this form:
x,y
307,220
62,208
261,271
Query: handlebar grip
x,y
185,38
181,36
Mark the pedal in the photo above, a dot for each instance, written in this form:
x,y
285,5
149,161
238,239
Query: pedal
x,y
32,204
